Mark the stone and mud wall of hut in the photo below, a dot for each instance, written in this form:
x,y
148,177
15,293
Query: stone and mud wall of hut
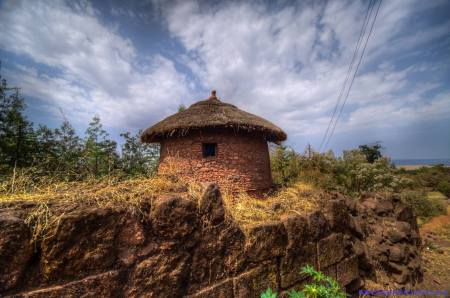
x,y
182,248
241,163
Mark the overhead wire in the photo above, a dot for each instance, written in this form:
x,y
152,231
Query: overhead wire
x,y
354,74
350,67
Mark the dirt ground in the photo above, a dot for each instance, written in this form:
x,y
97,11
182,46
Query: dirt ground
x,y
436,254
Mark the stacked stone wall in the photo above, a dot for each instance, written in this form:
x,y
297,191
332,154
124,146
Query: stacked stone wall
x,y
182,248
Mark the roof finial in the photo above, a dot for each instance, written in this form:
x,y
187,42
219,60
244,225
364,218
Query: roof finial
x,y
213,95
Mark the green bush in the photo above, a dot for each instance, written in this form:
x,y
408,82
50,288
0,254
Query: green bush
x,y
430,177
444,188
422,205
323,287
351,174
285,165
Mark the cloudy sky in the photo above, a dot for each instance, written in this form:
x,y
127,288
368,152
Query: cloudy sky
x,y
134,62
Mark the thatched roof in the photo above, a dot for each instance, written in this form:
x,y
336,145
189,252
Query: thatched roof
x,y
212,114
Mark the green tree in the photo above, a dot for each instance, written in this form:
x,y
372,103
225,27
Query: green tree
x,y
69,149
372,152
100,156
58,153
45,154
285,165
137,157
17,139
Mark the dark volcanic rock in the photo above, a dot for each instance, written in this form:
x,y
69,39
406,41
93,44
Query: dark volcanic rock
x,y
162,275
318,225
211,205
15,249
297,232
266,241
174,218
101,285
178,247
82,244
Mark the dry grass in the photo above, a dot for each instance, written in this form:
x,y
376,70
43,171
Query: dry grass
x,y
248,211
54,199
106,192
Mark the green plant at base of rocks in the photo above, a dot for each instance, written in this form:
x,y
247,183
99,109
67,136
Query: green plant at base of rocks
x,y
322,287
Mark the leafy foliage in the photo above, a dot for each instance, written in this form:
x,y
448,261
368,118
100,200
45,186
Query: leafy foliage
x,y
422,205
372,152
100,156
138,157
444,188
46,154
285,165
429,177
269,294
322,287
17,138
351,174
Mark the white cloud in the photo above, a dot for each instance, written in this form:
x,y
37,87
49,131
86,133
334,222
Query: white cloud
x,y
95,68
289,64
286,63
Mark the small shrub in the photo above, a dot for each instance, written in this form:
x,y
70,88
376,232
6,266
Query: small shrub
x,y
269,294
444,188
323,287
422,205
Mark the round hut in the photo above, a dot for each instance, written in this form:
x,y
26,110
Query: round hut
x,y
214,141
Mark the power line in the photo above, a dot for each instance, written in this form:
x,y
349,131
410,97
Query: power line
x,y
350,67
355,73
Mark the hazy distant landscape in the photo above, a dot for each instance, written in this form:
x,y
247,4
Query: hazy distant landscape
x,y
420,162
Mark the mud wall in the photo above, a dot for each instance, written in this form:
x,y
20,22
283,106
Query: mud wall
x,y
241,162
179,248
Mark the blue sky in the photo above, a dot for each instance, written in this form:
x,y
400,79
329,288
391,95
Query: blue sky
x,y
134,62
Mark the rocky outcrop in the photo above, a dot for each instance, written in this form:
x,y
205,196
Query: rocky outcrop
x,y
391,240
177,247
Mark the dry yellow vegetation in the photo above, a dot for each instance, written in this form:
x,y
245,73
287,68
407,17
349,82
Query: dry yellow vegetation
x,y
51,197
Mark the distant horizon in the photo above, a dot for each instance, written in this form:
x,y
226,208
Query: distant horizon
x,y
431,161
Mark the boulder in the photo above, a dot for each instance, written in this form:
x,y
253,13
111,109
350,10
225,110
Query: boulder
x,y
211,205
174,218
297,232
218,255
318,226
162,275
330,250
266,241
255,281
16,249
397,253
394,235
337,214
293,261
347,270
82,244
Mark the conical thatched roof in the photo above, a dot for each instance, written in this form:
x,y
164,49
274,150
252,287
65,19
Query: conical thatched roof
x,y
211,114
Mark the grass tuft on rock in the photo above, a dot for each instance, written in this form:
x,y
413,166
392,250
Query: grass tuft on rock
x,y
300,198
